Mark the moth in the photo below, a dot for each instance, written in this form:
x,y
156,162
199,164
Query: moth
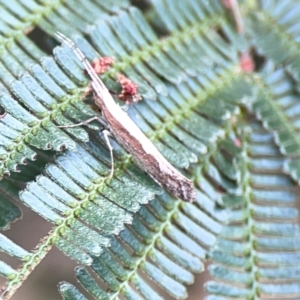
x,y
131,138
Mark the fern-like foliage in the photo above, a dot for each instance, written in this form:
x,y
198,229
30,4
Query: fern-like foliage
x,y
161,249
256,253
131,239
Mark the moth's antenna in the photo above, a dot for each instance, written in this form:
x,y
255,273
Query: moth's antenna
x,y
98,86
95,78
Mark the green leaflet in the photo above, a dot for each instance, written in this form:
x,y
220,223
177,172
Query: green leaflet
x,y
184,56
19,15
276,24
262,246
145,239
168,243
78,205
43,93
277,105
51,97
169,262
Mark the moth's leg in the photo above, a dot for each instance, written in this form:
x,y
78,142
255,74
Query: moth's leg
x,y
98,118
106,134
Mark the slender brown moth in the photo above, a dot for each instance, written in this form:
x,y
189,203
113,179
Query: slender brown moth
x,y
129,136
